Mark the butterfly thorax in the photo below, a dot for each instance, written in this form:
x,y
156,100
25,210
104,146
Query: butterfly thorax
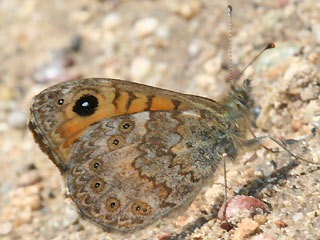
x,y
237,105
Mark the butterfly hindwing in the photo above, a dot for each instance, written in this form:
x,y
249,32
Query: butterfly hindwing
x,y
137,166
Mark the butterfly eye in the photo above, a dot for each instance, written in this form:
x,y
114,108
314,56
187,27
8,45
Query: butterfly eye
x,y
60,101
86,105
242,97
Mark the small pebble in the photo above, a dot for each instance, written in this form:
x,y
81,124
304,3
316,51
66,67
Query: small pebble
x,y
161,68
297,217
34,202
140,67
111,21
241,203
281,224
165,237
316,32
26,197
81,16
246,228
186,9
5,227
75,43
313,214
260,218
261,237
71,216
313,57
309,93
145,27
55,69
6,93
17,119
24,217
203,81
163,32
297,124
6,187
213,65
29,178
193,49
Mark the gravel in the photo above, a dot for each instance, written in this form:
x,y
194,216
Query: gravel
x,y
182,46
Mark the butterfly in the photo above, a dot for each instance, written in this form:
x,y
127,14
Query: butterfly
x,y
131,154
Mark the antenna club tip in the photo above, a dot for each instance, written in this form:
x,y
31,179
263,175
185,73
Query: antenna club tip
x,y
270,45
229,8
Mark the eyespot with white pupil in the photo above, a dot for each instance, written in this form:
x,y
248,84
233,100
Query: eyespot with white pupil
x,y
97,185
116,142
112,204
96,165
126,126
140,208
85,105
60,101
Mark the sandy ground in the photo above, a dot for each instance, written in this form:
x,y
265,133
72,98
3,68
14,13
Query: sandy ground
x,y
178,45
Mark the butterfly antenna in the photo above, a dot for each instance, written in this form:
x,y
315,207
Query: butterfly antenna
x,y
232,81
269,46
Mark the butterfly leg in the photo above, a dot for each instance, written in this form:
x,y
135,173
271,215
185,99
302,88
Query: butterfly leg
x,y
224,158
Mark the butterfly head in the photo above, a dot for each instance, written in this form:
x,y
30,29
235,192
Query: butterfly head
x,y
241,96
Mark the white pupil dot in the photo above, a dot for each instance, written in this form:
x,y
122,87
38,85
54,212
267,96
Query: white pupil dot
x,y
85,104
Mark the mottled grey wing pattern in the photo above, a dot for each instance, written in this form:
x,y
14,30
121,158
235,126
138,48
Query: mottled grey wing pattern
x,y
128,171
